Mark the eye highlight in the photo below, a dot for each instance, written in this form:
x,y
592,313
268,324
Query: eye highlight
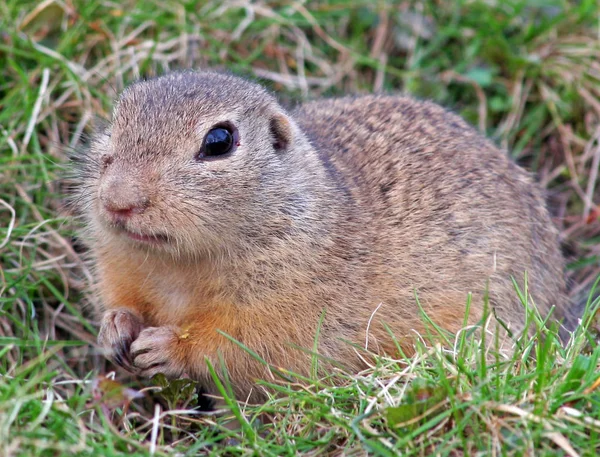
x,y
221,140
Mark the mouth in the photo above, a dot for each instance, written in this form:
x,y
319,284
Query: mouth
x,y
148,239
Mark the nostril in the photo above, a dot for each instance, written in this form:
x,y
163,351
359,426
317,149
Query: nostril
x,y
122,199
125,210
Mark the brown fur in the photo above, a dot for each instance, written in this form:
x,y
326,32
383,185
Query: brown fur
x,y
340,206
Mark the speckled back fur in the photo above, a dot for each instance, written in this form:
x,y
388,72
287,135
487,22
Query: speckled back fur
x,y
443,200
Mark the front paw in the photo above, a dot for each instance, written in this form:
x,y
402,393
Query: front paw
x,y
119,328
157,350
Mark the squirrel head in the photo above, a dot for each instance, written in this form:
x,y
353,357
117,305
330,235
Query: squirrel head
x,y
195,162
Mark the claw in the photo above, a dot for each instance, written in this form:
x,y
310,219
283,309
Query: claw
x,y
119,329
152,352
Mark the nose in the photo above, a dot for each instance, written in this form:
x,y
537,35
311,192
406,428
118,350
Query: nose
x,y
122,199
124,210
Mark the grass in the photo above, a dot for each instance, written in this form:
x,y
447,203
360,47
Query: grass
x,y
526,73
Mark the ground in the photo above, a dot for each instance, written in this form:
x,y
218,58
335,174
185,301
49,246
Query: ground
x,y
527,73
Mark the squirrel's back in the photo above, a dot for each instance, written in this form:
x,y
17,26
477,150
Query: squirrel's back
x,y
443,199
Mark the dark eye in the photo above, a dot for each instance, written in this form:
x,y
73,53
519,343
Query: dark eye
x,y
219,141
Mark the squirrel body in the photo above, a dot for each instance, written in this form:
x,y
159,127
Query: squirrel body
x,y
333,219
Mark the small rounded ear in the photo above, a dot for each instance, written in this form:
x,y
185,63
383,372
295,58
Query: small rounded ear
x,y
281,132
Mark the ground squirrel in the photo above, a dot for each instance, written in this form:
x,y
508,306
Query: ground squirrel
x,y
210,209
